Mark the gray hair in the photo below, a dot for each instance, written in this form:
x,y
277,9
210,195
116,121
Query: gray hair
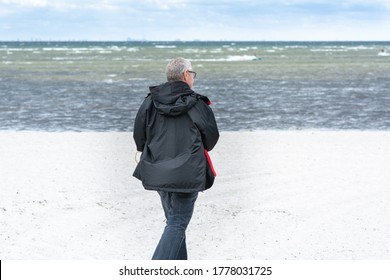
x,y
176,67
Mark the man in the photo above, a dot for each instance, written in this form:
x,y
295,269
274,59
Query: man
x,y
175,128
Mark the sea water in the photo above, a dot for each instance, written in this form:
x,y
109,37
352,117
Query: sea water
x,y
99,86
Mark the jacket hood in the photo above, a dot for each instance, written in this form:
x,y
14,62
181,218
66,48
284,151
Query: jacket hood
x,y
173,98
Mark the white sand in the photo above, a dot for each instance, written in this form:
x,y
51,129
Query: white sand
x,y
278,195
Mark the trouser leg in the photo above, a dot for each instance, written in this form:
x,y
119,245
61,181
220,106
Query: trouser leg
x,y
178,209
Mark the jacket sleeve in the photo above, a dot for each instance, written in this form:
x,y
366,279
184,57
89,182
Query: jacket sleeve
x,y
203,117
139,132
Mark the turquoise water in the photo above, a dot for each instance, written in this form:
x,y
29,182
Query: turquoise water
x,y
98,86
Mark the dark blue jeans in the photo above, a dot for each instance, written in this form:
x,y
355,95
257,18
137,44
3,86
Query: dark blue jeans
x,y
178,209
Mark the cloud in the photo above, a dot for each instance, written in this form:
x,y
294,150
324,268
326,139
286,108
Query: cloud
x,y
194,19
33,3
18,6
221,6
96,4
166,5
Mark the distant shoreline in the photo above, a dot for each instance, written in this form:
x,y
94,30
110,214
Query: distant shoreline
x,y
193,41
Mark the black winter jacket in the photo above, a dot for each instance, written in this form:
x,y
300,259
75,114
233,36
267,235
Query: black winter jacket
x,y
174,128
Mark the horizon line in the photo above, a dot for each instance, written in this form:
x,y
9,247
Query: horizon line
x,y
195,40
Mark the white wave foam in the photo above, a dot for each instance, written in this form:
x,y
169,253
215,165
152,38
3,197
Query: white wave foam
x,y
18,49
165,47
132,49
229,58
240,57
219,50
328,50
56,49
359,48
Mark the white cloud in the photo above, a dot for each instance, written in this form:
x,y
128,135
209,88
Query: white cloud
x,y
166,5
199,19
182,4
38,4
34,3
92,4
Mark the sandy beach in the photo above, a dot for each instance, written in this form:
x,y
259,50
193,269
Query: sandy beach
x,y
278,195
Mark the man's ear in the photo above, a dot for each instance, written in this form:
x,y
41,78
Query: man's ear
x,y
185,76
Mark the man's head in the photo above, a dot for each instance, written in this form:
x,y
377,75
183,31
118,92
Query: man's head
x,y
180,69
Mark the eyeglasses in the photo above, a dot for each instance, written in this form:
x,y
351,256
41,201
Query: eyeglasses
x,y
192,72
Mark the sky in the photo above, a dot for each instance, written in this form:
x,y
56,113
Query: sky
x,y
242,20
